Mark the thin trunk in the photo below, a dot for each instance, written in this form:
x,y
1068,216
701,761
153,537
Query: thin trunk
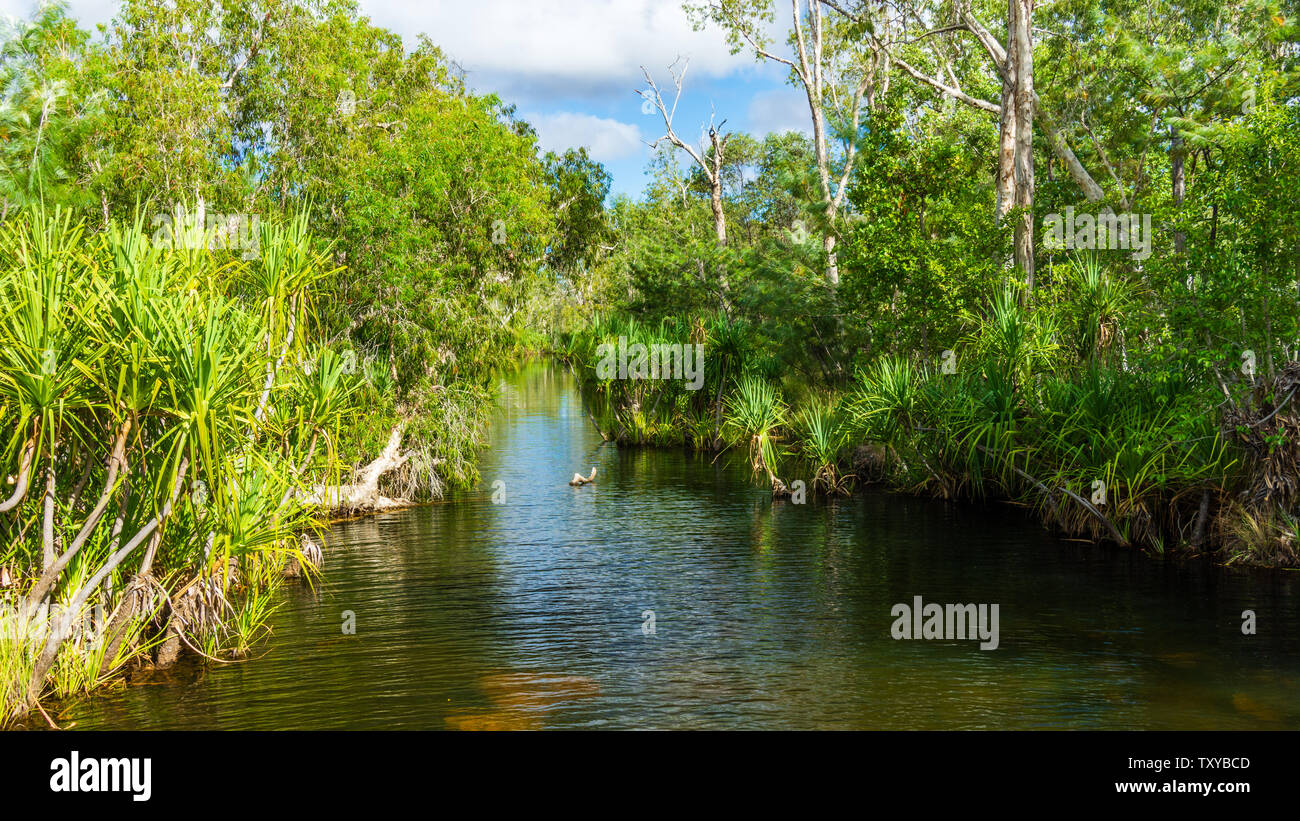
x,y
715,188
809,70
832,260
115,631
1178,179
59,628
1006,175
719,215
155,539
115,462
1024,99
24,477
47,525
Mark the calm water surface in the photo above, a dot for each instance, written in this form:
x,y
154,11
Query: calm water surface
x,y
529,612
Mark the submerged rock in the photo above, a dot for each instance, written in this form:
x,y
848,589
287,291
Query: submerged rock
x,y
522,700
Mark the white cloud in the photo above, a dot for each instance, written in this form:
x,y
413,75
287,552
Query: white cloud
x,y
777,110
533,50
86,12
606,140
560,48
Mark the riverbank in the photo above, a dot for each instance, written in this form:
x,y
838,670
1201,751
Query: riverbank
x,y
1154,459
178,429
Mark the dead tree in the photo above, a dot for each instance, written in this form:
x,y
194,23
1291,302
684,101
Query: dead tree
x,y
710,166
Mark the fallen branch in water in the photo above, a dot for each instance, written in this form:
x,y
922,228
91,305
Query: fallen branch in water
x,y
364,493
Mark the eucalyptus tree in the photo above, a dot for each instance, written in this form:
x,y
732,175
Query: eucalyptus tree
x,y
916,38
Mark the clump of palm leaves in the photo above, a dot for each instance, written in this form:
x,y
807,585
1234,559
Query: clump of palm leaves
x,y
888,403
1100,449
1010,342
156,424
821,429
1095,306
755,414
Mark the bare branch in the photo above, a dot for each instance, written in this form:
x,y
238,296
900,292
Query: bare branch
x,y
955,93
656,97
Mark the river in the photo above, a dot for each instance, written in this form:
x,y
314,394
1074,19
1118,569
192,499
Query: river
x,y
675,593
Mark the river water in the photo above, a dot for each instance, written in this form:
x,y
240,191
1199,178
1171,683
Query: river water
x,y
674,593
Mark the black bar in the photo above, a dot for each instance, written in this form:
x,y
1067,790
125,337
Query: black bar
x,y
297,771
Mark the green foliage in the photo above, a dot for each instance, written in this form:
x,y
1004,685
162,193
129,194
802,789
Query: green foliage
x,y
133,379
755,414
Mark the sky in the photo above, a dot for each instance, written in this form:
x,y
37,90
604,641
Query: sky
x,y
572,67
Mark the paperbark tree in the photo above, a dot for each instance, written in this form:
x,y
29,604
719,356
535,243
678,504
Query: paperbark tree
x,y
710,166
1021,77
1019,107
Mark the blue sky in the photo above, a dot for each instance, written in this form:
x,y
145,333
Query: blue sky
x,y
572,68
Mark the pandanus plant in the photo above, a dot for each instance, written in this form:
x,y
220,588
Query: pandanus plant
x,y
1098,302
726,345
755,414
290,269
888,401
134,381
823,437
